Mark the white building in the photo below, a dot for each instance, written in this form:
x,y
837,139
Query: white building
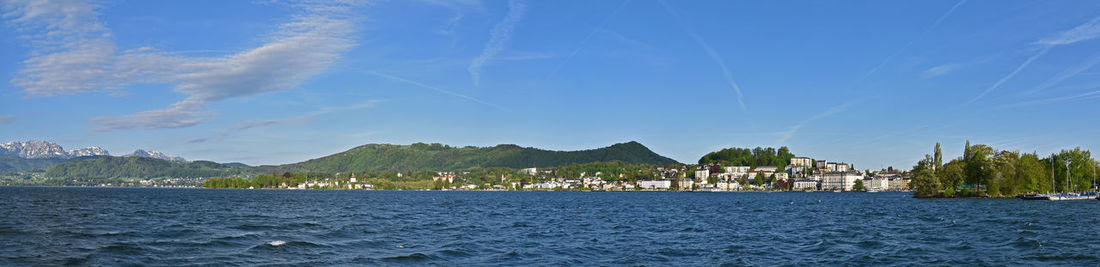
x,y
737,169
802,162
805,185
840,180
702,174
655,184
728,186
530,171
843,167
877,184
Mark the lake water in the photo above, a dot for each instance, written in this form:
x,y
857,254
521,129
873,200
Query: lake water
x,y
121,226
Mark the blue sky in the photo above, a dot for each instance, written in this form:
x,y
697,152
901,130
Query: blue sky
x,y
875,83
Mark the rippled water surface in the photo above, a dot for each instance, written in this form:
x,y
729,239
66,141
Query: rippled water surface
x,y
120,226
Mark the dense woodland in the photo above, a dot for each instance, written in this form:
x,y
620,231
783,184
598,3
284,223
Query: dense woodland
x,y
138,167
749,157
984,171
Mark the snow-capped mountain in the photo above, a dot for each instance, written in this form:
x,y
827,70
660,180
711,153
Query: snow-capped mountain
x,y
88,151
154,154
35,149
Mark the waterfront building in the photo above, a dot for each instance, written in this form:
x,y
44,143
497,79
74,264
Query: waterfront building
x,y
728,186
804,185
840,180
655,184
899,184
877,184
687,184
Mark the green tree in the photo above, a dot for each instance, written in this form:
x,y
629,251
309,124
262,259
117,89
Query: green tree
x,y
952,173
978,166
858,186
924,182
938,157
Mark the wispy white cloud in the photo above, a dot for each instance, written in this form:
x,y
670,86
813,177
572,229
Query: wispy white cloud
x,y
458,8
1068,73
786,135
73,53
433,88
1012,74
938,70
710,52
5,119
584,42
1088,31
1084,32
245,125
725,71
1082,96
498,38
911,42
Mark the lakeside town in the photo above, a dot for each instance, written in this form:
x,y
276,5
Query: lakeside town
x,y
802,174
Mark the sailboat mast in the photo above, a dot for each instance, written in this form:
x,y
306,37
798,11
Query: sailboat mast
x,y
1067,176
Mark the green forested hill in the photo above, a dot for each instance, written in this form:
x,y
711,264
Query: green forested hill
x,y
13,163
138,167
420,156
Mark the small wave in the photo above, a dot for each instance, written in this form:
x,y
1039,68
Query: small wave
x,y
276,243
411,257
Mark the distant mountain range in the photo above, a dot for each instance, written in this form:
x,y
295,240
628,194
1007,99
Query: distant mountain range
x,y
46,150
141,153
41,155
366,158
